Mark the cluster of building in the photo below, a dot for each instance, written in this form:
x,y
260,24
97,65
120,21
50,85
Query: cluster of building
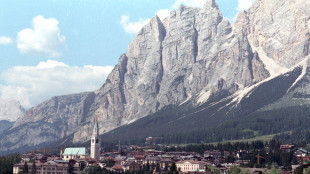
x,y
52,166
134,160
113,161
120,161
59,164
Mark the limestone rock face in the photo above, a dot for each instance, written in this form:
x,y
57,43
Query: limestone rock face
x,y
49,121
278,29
200,49
194,53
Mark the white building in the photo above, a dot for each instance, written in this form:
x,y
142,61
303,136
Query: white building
x,y
50,167
95,142
191,166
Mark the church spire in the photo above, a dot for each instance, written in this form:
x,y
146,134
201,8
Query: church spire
x,y
96,128
95,142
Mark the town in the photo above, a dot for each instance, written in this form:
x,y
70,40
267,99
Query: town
x,y
135,159
240,157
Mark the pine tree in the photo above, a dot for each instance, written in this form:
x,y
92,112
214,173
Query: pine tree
x,y
70,166
25,169
157,167
34,168
147,166
82,166
173,168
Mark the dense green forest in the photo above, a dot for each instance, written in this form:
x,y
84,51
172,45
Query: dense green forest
x,y
300,136
7,162
221,120
294,119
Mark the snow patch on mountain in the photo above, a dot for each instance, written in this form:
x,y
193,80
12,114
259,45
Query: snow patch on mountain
x,y
204,96
186,100
246,92
304,65
271,66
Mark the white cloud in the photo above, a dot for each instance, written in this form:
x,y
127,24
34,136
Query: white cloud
x,y
162,14
244,4
192,3
132,27
135,27
43,39
5,40
33,84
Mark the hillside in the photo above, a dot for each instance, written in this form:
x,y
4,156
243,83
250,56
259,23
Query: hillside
x,y
193,73
272,106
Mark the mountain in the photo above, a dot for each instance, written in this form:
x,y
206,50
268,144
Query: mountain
x,y
274,105
10,110
193,70
4,125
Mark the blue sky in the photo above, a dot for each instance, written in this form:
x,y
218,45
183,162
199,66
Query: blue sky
x,y
56,47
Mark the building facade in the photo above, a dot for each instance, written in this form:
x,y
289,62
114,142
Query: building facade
x,y
191,166
46,168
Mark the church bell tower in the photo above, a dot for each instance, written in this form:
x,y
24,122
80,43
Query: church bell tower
x,y
95,142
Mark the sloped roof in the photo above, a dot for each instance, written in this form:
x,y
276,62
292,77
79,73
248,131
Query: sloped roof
x,y
120,158
191,162
96,124
75,151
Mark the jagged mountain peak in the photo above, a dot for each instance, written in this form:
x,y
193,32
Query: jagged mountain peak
x,y
210,3
192,56
156,26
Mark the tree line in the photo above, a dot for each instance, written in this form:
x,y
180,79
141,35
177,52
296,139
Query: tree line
x,y
269,153
7,162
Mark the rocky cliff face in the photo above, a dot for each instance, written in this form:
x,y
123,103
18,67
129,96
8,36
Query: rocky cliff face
x,y
169,62
278,31
49,121
194,53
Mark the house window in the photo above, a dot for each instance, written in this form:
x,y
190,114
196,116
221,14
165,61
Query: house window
x,y
97,140
92,140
